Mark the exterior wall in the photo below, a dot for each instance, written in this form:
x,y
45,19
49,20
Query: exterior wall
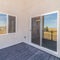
x,y
13,7
37,8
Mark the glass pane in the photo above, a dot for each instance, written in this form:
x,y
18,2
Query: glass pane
x,y
49,32
12,24
3,23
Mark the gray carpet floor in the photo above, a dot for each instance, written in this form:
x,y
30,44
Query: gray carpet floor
x,y
23,51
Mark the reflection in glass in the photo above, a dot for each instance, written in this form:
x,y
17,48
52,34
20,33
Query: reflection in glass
x,y
49,32
3,23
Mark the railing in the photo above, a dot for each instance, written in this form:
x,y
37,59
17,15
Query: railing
x,y
50,35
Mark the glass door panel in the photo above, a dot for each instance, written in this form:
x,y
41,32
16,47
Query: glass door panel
x,y
35,30
49,33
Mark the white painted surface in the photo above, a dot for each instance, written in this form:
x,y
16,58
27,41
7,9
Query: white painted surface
x,y
14,8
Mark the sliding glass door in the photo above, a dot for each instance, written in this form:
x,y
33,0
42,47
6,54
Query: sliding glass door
x,y
44,31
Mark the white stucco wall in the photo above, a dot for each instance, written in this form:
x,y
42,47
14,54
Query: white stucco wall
x,y
13,7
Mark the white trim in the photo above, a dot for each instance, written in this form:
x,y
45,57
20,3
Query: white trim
x,y
7,13
16,25
57,30
49,13
40,31
7,23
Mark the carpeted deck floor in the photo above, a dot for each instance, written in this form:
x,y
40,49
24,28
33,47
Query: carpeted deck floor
x,y
24,51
